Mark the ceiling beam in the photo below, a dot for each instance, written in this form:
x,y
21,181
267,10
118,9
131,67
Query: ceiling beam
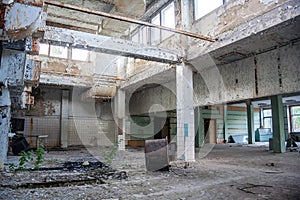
x,y
126,19
109,45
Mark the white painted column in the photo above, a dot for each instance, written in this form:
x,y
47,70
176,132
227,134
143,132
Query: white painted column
x,y
64,118
120,118
4,124
185,113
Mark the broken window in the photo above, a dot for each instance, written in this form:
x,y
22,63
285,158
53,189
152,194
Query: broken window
x,y
80,54
203,7
295,118
58,51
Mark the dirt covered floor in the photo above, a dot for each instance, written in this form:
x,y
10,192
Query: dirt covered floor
x,y
220,172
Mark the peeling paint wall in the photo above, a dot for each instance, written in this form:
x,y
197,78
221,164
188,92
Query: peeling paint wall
x,y
277,73
47,102
232,14
12,67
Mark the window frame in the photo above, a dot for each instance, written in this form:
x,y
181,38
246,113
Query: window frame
x,y
69,55
151,30
268,117
292,115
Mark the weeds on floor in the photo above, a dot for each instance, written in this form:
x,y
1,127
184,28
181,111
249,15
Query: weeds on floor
x,y
39,157
27,157
108,156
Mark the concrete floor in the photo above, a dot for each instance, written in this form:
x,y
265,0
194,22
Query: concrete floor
x,y
222,171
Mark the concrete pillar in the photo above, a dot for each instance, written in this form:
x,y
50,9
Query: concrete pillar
x,y
120,116
186,24
64,118
186,16
250,122
4,125
278,124
185,113
199,127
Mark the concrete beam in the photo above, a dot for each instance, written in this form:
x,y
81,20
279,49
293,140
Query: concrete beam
x,y
109,45
63,80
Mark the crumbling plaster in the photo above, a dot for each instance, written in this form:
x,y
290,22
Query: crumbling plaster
x,y
262,25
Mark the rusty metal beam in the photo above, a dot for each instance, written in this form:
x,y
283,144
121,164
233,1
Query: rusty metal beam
x,y
109,45
126,19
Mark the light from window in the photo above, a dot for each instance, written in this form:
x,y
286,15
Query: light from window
x,y
295,111
267,118
80,54
168,19
165,17
44,49
203,7
58,51
168,16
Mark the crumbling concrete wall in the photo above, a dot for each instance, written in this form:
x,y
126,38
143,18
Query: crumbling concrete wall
x,y
231,15
89,122
159,98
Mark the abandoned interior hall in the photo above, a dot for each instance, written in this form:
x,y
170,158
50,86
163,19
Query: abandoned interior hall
x,y
150,99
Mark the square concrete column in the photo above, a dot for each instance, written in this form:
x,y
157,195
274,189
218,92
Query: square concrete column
x,y
64,118
250,122
199,127
185,113
278,124
120,116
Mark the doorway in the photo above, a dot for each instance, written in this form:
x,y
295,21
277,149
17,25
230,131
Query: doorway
x,y
210,131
